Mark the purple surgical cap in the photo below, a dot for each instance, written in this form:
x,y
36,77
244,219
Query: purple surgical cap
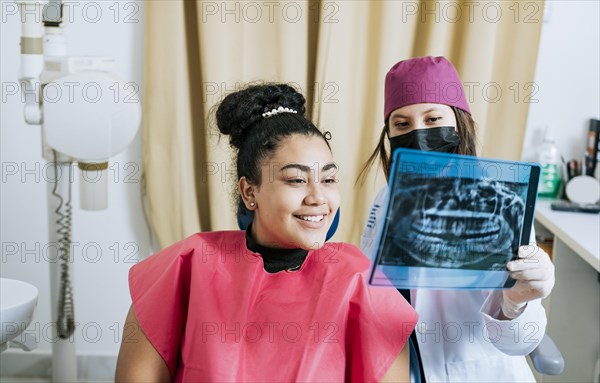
x,y
423,80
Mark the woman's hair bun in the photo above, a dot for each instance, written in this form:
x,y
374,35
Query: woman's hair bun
x,y
241,110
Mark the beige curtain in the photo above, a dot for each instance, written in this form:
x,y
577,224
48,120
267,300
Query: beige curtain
x,y
337,52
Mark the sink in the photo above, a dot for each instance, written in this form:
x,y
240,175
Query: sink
x,y
17,302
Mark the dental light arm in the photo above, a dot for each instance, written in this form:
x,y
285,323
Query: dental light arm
x,y
32,58
87,113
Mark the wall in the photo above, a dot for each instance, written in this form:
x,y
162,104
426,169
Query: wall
x,y
568,82
107,242
567,77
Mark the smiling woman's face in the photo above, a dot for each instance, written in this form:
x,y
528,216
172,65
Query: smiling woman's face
x,y
298,196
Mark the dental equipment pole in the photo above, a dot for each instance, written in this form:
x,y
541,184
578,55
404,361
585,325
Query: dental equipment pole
x,y
32,59
81,127
64,358
64,361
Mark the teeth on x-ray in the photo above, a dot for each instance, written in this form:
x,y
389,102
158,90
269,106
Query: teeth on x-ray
x,y
454,222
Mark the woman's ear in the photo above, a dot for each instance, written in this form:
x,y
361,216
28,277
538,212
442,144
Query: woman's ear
x,y
247,192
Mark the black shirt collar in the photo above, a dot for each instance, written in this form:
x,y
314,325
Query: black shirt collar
x,y
276,260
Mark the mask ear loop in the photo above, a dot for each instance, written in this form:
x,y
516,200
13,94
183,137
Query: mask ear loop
x,y
386,129
384,152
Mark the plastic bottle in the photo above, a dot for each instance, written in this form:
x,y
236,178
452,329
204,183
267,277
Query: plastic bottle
x,y
551,162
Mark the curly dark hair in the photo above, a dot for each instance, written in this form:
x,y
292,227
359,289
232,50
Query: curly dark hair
x,y
255,137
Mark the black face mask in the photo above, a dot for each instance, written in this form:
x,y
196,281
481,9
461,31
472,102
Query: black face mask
x,y
442,139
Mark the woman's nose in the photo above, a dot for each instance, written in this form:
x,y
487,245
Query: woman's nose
x,y
315,194
419,125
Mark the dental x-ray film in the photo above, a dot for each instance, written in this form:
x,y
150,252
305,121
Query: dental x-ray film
x,y
453,221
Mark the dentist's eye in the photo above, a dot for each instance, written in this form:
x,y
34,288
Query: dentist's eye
x,y
330,181
295,181
434,119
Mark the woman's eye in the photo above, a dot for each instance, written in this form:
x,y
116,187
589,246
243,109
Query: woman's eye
x,y
401,124
434,119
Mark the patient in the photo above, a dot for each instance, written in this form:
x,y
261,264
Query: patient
x,y
275,302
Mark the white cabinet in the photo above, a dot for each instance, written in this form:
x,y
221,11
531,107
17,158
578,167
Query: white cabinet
x,y
574,306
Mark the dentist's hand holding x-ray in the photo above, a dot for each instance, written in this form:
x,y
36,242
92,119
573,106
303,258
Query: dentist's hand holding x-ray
x,y
534,273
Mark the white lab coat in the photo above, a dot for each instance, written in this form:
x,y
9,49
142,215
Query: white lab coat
x,y
459,338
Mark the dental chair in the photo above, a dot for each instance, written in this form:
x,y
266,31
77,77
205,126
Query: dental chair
x,y
546,358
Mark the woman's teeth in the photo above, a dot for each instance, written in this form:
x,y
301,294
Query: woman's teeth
x,y
312,218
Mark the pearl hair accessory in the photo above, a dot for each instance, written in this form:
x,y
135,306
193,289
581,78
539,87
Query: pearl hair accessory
x,y
279,110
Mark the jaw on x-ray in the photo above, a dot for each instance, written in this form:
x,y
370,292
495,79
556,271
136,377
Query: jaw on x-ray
x,y
454,222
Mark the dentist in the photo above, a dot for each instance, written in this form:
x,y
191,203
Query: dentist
x,y
462,335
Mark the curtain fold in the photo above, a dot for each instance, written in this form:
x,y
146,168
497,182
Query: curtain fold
x,y
337,53
172,200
